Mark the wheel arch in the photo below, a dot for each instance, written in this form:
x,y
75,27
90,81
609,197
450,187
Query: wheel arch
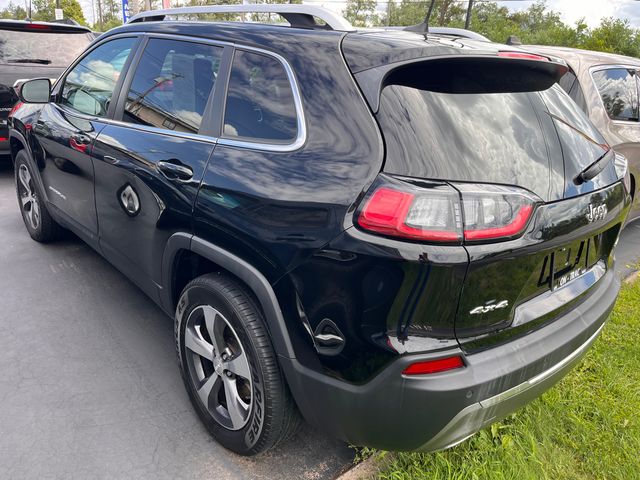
x,y
16,143
183,245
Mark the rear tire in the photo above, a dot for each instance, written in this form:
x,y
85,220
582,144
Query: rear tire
x,y
229,366
37,219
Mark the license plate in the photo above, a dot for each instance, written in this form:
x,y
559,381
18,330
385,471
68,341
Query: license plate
x,y
569,262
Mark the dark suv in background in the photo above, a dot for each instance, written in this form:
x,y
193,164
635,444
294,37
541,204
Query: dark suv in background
x,y
34,49
399,235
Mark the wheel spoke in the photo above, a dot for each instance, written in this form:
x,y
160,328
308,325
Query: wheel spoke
x,y
194,342
25,178
239,366
235,406
26,200
207,388
215,326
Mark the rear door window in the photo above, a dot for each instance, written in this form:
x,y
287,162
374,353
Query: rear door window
x,y
619,92
172,84
260,104
89,86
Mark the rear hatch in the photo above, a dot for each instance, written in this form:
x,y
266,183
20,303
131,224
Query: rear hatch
x,y
507,146
32,50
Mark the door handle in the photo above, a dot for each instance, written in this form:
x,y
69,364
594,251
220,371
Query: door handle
x,y
175,170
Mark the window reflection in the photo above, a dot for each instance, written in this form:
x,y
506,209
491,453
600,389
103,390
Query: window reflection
x,y
172,85
619,92
260,102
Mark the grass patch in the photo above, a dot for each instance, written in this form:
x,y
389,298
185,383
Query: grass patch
x,y
586,427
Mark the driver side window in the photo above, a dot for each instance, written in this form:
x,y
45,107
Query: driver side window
x,y
89,86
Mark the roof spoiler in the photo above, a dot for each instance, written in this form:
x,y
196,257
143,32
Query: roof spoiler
x,y
470,73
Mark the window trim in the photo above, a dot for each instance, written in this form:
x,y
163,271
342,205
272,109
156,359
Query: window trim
x,y
301,124
600,68
59,84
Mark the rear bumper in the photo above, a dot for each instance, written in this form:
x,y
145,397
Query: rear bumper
x,y
433,412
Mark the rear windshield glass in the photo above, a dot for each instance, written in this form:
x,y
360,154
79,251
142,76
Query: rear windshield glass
x,y
495,137
38,48
511,138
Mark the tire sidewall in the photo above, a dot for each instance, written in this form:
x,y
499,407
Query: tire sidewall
x,y
246,440
23,159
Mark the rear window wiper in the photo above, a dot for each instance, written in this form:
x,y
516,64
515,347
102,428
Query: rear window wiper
x,y
594,169
41,61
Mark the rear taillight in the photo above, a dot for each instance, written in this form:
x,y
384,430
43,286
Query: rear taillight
x,y
15,108
445,213
431,215
434,366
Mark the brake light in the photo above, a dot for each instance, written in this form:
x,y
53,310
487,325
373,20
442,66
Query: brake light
x,y
443,213
15,108
38,26
523,55
434,366
432,215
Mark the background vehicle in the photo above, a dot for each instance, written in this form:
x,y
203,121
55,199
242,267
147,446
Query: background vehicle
x,y
405,237
606,86
34,49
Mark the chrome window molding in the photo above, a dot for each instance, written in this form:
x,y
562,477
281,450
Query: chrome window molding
x,y
599,68
301,134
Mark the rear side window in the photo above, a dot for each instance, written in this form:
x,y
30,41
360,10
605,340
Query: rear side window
x,y
570,84
479,137
619,92
89,86
260,104
172,84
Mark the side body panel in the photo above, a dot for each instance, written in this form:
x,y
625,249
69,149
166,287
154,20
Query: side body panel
x,y
126,161
64,143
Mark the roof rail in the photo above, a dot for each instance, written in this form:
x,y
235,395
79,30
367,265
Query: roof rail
x,y
301,16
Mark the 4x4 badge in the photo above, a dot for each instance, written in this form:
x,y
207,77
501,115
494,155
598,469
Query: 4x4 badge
x,y
597,212
489,308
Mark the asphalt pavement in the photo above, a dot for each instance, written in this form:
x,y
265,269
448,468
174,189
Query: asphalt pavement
x,y
89,383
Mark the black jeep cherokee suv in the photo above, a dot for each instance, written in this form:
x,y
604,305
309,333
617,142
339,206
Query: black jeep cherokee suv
x,y
402,236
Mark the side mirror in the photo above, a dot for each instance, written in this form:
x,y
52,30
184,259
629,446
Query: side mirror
x,y
37,90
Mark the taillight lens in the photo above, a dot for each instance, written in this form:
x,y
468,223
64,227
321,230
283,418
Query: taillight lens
x,y
445,213
494,212
430,214
15,108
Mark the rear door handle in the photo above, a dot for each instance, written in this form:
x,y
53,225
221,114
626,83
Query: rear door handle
x,y
173,169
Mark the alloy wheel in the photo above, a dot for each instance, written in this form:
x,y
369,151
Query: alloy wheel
x,y
28,198
218,367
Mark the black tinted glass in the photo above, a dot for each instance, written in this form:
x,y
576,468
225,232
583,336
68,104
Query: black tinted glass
x,y
41,48
89,87
172,84
260,103
619,92
495,137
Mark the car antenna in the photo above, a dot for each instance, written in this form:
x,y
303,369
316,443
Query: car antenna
x,y
424,26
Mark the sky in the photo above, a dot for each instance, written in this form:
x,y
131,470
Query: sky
x,y
570,10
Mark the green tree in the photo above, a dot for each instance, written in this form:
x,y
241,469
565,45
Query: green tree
x,y
13,11
44,10
361,13
614,35
411,12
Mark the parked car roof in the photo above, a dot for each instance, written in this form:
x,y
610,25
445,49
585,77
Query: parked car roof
x,y
53,27
577,58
